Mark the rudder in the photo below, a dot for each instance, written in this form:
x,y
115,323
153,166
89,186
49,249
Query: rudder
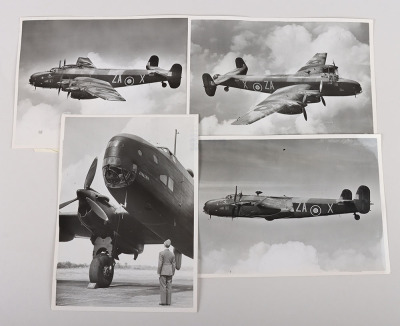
x,y
175,75
362,199
153,62
241,64
209,85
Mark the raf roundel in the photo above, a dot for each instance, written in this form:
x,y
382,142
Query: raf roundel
x,y
257,87
315,210
129,81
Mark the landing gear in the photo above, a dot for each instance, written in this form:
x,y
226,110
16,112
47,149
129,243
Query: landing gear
x,y
101,270
356,216
164,84
226,89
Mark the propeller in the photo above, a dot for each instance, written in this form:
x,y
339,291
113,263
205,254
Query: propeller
x,y
59,64
65,62
303,109
97,209
234,203
320,92
90,175
88,181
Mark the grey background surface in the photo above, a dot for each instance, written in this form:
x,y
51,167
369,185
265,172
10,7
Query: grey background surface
x,y
29,193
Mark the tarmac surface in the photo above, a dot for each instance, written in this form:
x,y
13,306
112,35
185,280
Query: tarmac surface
x,y
130,288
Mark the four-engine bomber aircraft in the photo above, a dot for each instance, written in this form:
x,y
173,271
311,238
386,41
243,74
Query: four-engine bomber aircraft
x,y
290,93
271,208
84,81
157,203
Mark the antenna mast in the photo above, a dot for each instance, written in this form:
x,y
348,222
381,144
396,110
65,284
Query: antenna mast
x,y
176,134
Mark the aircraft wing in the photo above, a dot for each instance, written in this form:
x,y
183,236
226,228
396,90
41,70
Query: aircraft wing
x,y
318,59
70,227
284,99
85,62
98,88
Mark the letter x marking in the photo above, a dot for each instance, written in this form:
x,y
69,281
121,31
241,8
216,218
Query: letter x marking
x,y
142,79
244,84
330,210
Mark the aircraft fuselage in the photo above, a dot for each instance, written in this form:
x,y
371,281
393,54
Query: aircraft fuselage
x,y
158,191
116,77
269,84
272,208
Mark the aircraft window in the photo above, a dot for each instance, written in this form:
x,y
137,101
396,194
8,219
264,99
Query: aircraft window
x,y
117,177
155,159
173,158
164,179
171,184
140,152
53,70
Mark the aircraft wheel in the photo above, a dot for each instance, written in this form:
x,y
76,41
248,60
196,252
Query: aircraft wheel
x,y
357,217
269,219
101,270
164,85
226,89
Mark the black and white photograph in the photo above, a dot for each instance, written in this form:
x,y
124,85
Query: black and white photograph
x,y
126,235
96,66
270,77
291,206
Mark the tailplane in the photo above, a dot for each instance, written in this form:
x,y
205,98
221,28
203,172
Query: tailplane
x,y
362,199
175,75
209,85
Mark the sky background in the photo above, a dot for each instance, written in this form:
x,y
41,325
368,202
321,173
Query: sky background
x,y
319,168
109,44
87,137
279,48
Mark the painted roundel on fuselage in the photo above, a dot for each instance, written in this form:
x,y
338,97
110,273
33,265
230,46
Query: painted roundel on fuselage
x,y
315,210
257,87
129,81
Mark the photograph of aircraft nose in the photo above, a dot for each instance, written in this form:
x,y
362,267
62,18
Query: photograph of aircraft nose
x,y
84,66
290,93
84,81
318,74
303,205
275,207
146,197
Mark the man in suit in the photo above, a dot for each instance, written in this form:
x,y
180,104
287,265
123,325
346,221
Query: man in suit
x,y
166,269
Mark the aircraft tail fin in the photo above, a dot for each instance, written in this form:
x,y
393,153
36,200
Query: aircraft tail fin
x,y
209,85
362,199
175,75
153,62
240,64
346,195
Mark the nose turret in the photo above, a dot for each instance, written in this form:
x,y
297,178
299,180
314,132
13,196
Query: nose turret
x,y
210,207
37,79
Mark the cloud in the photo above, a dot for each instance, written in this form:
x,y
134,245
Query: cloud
x,y
292,258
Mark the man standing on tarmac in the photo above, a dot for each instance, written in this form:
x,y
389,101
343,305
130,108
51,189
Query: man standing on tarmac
x,y
166,269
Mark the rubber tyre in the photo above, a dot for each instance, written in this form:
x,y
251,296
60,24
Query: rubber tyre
x,y
101,270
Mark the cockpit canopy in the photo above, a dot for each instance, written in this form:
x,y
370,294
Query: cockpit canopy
x,y
216,76
330,69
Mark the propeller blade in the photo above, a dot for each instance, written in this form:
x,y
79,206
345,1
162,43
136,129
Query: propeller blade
x,y
323,101
320,86
59,89
67,203
68,94
59,64
90,175
97,209
234,199
304,113
65,61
